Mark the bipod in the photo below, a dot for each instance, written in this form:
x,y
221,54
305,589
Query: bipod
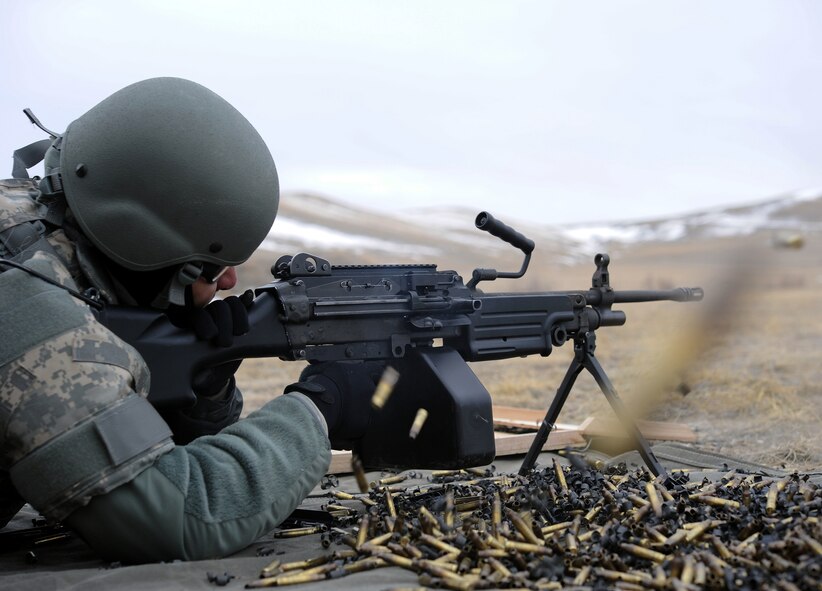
x,y
584,345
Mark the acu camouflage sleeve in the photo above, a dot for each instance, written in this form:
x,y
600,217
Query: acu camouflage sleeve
x,y
215,495
82,444
72,424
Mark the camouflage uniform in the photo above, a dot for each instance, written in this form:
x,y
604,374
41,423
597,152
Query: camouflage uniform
x,y
79,441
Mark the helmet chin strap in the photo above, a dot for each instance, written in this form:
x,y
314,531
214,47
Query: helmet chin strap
x,y
175,290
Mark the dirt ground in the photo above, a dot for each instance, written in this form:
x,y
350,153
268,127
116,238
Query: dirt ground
x,y
749,355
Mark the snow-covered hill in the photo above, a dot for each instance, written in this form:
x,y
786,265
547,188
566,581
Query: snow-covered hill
x,y
322,224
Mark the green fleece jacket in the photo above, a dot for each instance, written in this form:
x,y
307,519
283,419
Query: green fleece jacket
x,y
217,494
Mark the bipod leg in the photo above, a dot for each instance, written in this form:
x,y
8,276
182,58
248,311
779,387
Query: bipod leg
x,y
640,443
557,403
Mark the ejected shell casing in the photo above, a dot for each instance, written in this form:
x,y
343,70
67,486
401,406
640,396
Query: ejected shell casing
x,y
439,544
271,569
655,534
663,491
571,543
589,516
384,388
494,542
397,549
746,497
644,552
496,514
427,519
284,580
499,567
493,553
560,475
419,421
770,504
304,564
638,501
359,473
447,561
640,513
549,529
443,473
321,569
344,496
448,516
660,578
526,547
718,501
653,497
763,483
620,480
299,531
814,545
392,558
476,540
582,538
344,554
582,576
715,563
613,575
466,506
523,528
396,479
439,570
696,532
721,548
368,563
412,550
389,502
700,574
741,546
687,574
362,532
380,540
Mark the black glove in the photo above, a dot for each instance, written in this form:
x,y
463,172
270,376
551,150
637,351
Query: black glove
x,y
219,402
219,322
342,390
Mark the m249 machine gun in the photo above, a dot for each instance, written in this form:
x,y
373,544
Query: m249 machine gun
x,y
425,323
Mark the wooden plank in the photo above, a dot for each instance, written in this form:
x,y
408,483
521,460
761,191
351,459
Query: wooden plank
x,y
510,444
526,418
652,430
507,444
340,462
522,418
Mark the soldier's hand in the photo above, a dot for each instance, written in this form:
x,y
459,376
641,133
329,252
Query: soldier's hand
x,y
219,322
342,391
222,320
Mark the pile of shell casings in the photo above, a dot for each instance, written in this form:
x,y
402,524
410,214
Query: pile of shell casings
x,y
579,527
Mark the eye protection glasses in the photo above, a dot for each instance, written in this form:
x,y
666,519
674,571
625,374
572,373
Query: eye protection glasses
x,y
211,272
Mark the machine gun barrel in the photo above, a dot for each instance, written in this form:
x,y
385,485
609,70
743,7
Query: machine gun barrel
x,y
680,294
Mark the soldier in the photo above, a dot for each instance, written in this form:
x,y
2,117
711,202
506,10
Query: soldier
x,y
149,199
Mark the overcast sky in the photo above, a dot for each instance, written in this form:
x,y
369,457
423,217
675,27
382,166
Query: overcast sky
x,y
555,111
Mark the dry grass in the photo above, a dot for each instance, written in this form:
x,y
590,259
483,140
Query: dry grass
x,y
755,384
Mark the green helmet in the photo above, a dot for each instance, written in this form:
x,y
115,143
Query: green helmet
x,y
165,172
